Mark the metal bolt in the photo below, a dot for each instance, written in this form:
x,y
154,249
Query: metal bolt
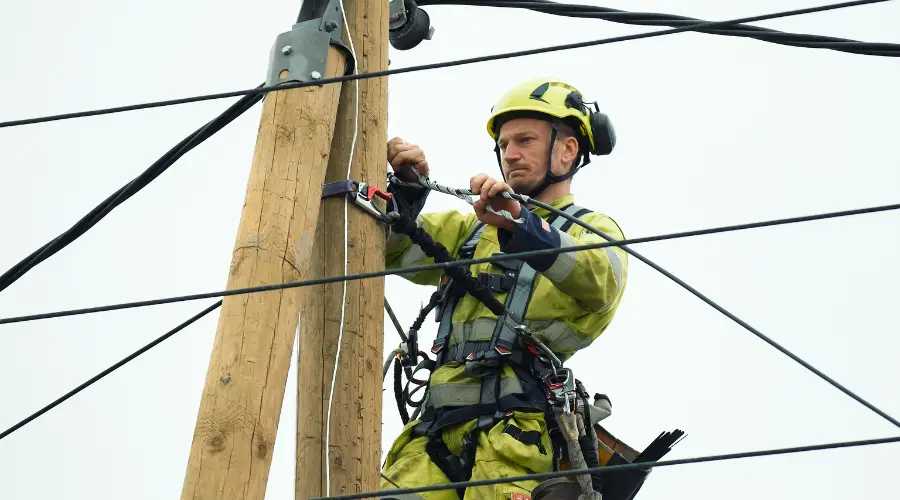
x,y
430,33
286,50
331,26
226,378
315,75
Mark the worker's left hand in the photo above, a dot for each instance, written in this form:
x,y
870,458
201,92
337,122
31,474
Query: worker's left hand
x,y
490,191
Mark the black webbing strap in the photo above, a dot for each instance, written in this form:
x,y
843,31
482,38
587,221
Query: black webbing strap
x,y
452,296
503,340
578,213
525,437
338,188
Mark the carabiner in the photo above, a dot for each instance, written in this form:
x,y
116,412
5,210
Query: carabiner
x,y
364,196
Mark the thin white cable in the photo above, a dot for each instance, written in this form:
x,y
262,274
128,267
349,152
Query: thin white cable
x,y
337,356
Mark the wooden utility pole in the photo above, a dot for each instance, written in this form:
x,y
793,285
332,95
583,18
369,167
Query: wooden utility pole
x,y
231,452
355,421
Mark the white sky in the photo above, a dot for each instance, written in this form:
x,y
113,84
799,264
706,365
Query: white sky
x,y
712,130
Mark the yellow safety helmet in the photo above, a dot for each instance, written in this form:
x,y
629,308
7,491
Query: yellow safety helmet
x,y
554,99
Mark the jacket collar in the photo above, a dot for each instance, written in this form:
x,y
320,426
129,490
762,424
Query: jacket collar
x,y
558,204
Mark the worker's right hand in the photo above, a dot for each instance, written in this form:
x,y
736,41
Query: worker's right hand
x,y
400,154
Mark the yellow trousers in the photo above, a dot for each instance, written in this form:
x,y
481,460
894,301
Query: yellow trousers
x,y
498,454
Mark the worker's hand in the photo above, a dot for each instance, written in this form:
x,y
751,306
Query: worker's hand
x,y
489,191
401,154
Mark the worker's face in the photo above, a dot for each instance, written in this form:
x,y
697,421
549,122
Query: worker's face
x,y
524,147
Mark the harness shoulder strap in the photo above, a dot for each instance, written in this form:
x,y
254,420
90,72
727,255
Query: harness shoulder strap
x,y
575,211
467,250
445,312
517,301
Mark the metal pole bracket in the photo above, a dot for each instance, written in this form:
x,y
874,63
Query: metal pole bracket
x,y
397,14
301,55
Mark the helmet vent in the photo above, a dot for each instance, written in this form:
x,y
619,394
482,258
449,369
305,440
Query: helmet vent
x,y
539,92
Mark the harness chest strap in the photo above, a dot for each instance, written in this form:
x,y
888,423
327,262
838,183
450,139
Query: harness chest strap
x,y
487,403
503,339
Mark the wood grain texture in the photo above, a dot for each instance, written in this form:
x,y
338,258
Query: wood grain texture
x,y
355,439
231,452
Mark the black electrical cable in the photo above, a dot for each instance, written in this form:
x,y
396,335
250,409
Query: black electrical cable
x,y
311,9
717,307
461,274
109,370
612,469
442,265
128,190
653,19
399,395
425,183
424,67
395,321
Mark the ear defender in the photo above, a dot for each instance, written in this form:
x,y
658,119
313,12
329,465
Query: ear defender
x,y
604,134
602,131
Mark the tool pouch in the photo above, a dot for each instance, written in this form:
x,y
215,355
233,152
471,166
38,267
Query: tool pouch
x,y
625,484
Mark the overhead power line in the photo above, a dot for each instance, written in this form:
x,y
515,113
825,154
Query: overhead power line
x,y
612,469
431,66
465,193
109,370
834,383
443,265
128,190
652,19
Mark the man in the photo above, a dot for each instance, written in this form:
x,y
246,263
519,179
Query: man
x,y
484,420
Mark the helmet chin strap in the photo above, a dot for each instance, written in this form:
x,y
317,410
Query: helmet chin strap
x,y
549,177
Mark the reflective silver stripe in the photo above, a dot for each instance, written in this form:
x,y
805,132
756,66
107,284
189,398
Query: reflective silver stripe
x,y
414,255
469,393
557,335
478,330
616,265
564,262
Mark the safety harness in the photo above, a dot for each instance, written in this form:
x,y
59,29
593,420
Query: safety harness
x,y
539,383
536,386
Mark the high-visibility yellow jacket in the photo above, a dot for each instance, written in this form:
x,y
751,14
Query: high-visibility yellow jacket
x,y
575,295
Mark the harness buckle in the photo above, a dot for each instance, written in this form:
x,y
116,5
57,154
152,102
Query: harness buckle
x,y
497,283
449,291
364,196
412,348
560,386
